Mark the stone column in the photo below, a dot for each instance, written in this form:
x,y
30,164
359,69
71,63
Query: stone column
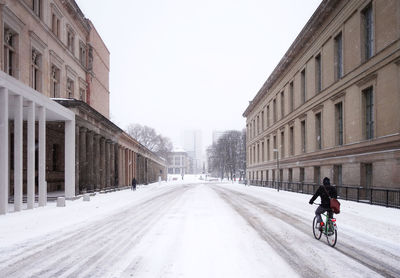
x,y
4,179
130,166
134,164
31,155
116,170
42,157
112,164
69,171
102,162
18,152
96,170
77,159
82,159
107,163
120,169
123,165
89,159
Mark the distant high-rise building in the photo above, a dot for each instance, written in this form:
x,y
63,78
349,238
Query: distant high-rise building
x,y
192,143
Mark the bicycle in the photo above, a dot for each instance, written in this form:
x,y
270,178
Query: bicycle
x,y
329,229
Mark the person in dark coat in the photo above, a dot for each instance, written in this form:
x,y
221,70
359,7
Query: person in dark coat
x,y
322,192
133,183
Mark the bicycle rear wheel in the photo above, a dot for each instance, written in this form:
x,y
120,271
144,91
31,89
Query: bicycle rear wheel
x,y
317,233
331,234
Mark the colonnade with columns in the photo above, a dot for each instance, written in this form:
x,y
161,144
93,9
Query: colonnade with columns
x,y
97,158
19,104
101,162
127,165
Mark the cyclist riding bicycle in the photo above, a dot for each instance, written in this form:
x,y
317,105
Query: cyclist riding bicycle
x,y
325,191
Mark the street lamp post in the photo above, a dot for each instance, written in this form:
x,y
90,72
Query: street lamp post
x,y
277,162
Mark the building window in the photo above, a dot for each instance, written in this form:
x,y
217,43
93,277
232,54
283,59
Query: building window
x,y
318,73
274,144
254,154
37,7
258,124
10,52
82,53
55,82
291,96
177,161
282,104
303,136
291,142
82,94
318,129
290,175
268,150
267,115
339,123
303,86
282,144
258,153
368,100
274,112
262,151
70,40
55,25
317,175
36,72
70,88
337,174
338,56
262,120
368,32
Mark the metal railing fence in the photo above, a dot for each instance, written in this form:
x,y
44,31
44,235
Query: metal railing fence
x,y
377,196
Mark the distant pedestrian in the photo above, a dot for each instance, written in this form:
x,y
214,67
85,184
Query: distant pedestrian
x,y
133,183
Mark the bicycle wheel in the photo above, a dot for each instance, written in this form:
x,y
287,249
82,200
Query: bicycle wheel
x,y
331,235
317,233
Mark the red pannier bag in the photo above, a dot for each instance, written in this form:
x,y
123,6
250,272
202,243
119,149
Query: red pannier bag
x,y
335,205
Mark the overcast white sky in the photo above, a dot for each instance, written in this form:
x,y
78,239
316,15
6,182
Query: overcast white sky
x,y
192,64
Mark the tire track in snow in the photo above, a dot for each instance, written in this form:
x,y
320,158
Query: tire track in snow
x,y
235,199
346,245
67,254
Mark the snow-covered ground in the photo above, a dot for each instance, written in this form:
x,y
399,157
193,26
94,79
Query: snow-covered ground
x,y
195,228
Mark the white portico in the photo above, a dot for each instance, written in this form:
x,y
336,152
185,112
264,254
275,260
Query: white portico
x,y
19,103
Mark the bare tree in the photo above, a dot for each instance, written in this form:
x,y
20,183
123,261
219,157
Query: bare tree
x,y
228,155
148,137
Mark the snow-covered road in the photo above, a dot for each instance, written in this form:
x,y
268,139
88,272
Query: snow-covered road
x,y
197,230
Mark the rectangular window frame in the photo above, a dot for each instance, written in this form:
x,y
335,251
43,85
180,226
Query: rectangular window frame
x,y
367,32
303,88
318,130
338,56
318,73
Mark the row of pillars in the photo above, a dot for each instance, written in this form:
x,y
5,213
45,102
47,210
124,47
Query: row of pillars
x,y
127,165
101,162
17,102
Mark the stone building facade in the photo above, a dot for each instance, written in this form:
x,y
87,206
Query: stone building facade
x,y
52,57
331,106
178,162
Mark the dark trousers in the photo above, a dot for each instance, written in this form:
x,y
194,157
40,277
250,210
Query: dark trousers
x,y
320,209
